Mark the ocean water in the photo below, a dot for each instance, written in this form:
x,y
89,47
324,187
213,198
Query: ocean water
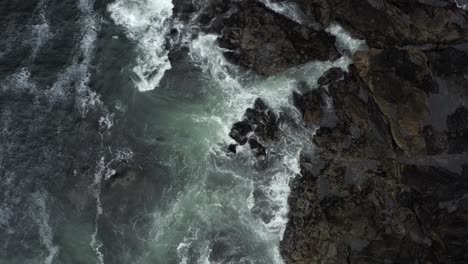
x,y
87,88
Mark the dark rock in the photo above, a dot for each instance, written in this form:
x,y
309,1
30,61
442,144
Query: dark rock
x,y
457,125
434,181
311,105
392,22
331,76
262,122
398,80
387,182
368,203
259,148
232,148
448,62
436,142
267,43
183,9
240,130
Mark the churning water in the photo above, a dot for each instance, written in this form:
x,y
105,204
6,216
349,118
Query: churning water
x,y
215,207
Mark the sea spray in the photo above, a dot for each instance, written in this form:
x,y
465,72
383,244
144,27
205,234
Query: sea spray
x,y
146,22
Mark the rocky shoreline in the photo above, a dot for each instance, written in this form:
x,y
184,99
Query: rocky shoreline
x,y
389,183
389,180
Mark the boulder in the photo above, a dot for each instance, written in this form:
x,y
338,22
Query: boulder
x,y
258,128
267,43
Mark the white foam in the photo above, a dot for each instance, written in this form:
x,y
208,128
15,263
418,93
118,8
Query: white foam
x,y
183,247
251,199
344,41
95,189
86,98
106,122
237,95
205,53
6,215
205,254
278,192
40,33
463,4
147,22
104,171
287,9
41,217
77,75
9,198
18,82
229,92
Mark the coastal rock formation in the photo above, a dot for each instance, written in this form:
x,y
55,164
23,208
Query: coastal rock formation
x,y
392,22
368,199
265,42
259,127
400,81
388,182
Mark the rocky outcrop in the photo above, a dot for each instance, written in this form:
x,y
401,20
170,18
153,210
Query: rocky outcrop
x,y
444,131
266,42
393,22
399,81
388,181
366,198
259,127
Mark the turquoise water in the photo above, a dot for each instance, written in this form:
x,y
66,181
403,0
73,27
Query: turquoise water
x,y
209,205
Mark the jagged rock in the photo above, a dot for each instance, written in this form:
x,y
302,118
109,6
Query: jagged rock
x,y
393,22
311,105
443,131
399,81
457,126
356,119
266,42
331,76
257,147
361,200
449,62
376,190
232,148
240,130
262,122
436,142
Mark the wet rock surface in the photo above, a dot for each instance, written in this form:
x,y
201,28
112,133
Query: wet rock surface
x,y
368,199
388,181
265,42
391,22
386,187
399,81
258,128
